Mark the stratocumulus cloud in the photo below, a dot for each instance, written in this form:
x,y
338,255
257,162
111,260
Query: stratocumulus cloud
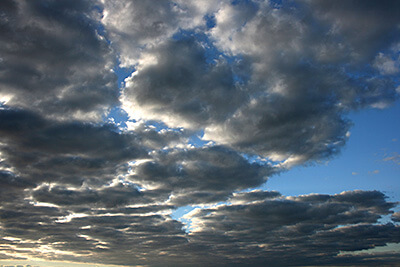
x,y
217,96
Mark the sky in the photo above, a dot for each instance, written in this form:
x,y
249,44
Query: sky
x,y
193,133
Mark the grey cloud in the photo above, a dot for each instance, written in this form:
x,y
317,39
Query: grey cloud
x,y
255,195
161,139
53,61
366,27
396,217
200,175
68,152
292,84
108,196
143,209
111,238
135,26
12,187
183,89
309,230
329,212
362,199
9,180
281,127
279,97
274,81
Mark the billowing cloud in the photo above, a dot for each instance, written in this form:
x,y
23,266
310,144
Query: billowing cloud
x,y
280,83
183,89
219,96
54,60
135,26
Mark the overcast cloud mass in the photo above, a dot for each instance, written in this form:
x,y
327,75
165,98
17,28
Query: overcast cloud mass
x,y
219,96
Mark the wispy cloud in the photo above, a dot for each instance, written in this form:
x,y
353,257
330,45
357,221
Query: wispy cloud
x,y
394,157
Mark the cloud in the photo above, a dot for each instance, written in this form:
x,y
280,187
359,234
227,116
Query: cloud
x,y
108,196
54,61
365,27
219,96
394,157
135,26
182,89
396,216
309,229
200,175
281,87
45,150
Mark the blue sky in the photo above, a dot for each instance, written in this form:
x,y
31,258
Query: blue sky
x,y
179,133
365,163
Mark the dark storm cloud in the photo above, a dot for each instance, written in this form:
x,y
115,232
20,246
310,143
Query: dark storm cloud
x,y
54,61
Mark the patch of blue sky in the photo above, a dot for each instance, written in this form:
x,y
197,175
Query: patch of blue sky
x,y
385,219
178,215
368,73
252,158
361,164
159,125
210,21
118,117
196,139
122,74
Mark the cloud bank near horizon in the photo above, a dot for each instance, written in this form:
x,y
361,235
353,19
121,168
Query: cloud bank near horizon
x,y
220,96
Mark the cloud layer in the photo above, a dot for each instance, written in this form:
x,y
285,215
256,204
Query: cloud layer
x,y
219,96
